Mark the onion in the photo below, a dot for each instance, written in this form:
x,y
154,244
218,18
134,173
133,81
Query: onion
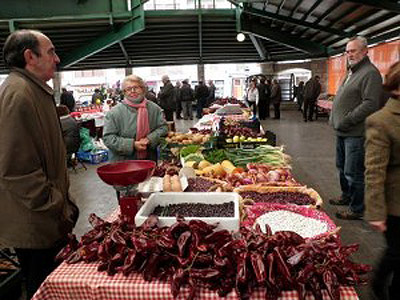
x,y
273,176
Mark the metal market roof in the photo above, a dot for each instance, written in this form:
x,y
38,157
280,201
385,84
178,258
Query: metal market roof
x,y
92,34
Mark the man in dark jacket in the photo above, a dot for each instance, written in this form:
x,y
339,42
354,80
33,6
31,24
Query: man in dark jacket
x,y
36,210
276,98
187,97
356,99
67,99
201,94
166,98
178,100
211,93
311,93
262,100
97,97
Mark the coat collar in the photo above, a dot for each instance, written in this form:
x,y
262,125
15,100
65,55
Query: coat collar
x,y
393,105
362,62
36,80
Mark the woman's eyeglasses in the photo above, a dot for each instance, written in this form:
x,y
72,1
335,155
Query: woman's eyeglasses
x,y
133,89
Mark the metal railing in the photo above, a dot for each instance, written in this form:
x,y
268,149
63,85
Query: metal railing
x,y
187,4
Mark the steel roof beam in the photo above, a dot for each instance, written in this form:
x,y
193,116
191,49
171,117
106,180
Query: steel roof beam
x,y
323,16
374,22
381,4
259,47
312,8
268,15
283,38
334,21
295,8
135,25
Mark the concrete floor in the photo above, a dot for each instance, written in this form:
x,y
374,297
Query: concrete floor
x,y
312,147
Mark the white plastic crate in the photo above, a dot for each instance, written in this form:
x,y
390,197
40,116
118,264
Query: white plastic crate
x,y
164,199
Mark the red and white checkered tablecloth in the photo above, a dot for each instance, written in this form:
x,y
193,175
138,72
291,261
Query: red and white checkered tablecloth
x,y
325,104
82,281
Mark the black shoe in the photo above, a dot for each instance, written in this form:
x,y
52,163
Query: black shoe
x,y
311,120
339,201
305,120
349,215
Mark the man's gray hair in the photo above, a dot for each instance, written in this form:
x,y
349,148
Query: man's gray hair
x,y
363,41
133,78
165,77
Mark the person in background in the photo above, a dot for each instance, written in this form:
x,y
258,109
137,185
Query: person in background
x,y
276,98
178,100
253,96
133,128
67,99
97,97
358,97
311,93
211,93
201,94
70,130
268,88
37,212
300,95
382,188
150,95
187,97
167,98
262,102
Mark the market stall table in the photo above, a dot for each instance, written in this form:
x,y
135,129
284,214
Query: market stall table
x,y
323,109
83,281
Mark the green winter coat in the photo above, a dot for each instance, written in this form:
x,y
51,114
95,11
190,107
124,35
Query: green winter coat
x,y
119,133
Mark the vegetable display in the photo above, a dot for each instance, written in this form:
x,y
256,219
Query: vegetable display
x,y
265,154
193,253
200,210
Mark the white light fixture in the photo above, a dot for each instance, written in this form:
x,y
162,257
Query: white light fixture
x,y
240,37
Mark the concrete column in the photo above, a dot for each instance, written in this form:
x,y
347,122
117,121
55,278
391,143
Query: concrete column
x,y
268,68
128,71
57,87
200,72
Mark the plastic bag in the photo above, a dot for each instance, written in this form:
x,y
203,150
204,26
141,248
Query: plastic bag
x,y
86,140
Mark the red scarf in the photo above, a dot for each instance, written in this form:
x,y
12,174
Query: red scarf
x,y
142,123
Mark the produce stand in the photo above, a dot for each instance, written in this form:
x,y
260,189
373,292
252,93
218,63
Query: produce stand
x,y
263,175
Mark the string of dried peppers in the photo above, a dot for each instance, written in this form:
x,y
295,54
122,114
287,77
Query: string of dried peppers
x,y
194,253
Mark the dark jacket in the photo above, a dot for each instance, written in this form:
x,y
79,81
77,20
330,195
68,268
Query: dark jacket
x,y
68,100
201,91
276,94
96,96
357,98
186,93
211,93
382,162
262,92
70,130
312,90
166,97
36,210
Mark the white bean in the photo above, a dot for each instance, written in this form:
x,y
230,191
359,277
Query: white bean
x,y
290,221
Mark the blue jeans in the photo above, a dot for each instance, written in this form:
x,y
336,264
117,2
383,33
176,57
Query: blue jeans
x,y
350,155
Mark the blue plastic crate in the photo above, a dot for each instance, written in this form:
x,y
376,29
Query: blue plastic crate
x,y
95,157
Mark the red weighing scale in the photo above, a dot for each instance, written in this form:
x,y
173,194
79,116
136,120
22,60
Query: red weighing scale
x,y
125,174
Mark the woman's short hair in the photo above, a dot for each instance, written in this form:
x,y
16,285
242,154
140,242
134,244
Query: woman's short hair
x,y
134,78
392,78
16,44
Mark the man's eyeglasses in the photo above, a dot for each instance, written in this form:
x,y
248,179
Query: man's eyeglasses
x,y
133,89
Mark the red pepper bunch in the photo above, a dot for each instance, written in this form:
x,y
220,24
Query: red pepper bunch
x,y
195,253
